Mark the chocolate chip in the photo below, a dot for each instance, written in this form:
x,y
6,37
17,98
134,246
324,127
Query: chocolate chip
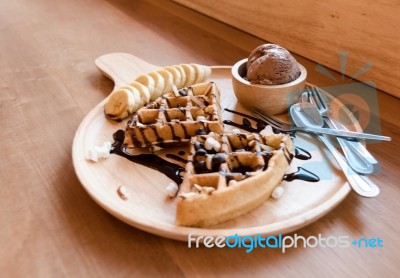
x,y
200,155
201,131
217,160
198,145
201,152
200,166
183,92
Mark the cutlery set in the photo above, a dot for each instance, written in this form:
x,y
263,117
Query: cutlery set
x,y
310,115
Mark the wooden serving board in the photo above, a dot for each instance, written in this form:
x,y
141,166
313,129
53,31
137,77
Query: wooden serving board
x,y
148,206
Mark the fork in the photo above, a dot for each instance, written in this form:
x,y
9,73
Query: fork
x,y
284,127
274,122
361,184
359,158
316,97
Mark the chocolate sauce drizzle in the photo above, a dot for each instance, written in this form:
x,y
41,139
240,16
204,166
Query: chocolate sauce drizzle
x,y
153,161
176,157
300,153
173,171
301,174
246,124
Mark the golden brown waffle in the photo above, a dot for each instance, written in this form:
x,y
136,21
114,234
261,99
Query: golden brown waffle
x,y
176,117
230,174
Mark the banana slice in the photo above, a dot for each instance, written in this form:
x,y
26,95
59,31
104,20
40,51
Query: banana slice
x,y
144,92
208,72
148,81
158,86
128,99
190,74
200,73
119,104
136,95
168,80
176,75
183,76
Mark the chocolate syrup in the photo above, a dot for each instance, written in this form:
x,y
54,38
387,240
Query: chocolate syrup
x,y
169,169
246,125
243,169
173,171
301,154
301,174
266,156
288,155
176,157
243,126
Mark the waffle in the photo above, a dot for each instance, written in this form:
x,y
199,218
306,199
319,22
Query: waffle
x,y
231,177
176,117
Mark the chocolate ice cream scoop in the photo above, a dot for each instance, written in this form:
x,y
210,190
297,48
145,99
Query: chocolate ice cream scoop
x,y
271,64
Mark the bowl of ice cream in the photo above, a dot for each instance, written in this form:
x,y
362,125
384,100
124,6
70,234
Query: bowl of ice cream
x,y
270,80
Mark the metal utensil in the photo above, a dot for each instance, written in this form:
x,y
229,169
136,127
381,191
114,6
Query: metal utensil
x,y
355,159
360,184
315,96
317,130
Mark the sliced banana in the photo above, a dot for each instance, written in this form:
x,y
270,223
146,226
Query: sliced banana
x,y
190,74
158,86
144,92
200,73
119,104
128,99
176,74
168,80
208,72
183,76
136,95
148,81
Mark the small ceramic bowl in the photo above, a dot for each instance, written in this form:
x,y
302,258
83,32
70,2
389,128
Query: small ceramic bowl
x,y
271,99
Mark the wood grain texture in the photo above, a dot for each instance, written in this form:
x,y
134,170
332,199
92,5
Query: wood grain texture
x,y
320,31
50,227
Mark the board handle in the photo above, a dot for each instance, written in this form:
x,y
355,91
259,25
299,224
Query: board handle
x,y
123,68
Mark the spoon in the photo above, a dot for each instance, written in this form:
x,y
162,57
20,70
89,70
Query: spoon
x,y
362,185
310,116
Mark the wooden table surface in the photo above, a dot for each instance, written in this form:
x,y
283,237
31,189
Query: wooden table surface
x,y
50,227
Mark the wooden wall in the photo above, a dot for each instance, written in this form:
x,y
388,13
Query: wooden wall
x,y
368,30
